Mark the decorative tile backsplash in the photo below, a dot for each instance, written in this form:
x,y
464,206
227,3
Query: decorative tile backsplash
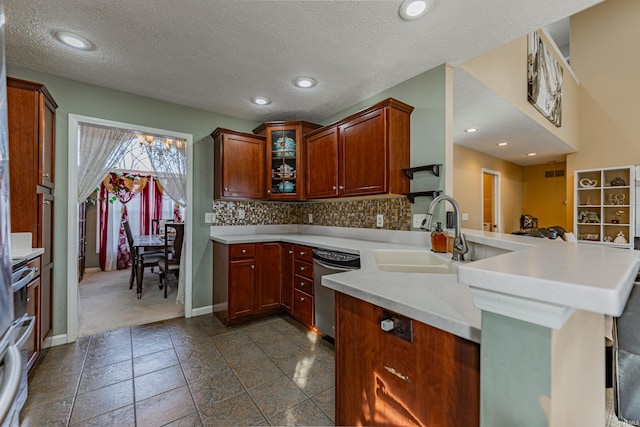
x,y
357,213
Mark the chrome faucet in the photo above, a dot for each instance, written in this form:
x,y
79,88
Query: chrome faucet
x,y
459,243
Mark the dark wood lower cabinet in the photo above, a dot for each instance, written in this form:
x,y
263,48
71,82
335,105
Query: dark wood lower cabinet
x,y
287,277
384,380
269,277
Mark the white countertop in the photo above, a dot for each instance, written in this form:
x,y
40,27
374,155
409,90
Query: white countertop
x,y
588,277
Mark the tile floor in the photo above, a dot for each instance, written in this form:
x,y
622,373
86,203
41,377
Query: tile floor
x,y
187,372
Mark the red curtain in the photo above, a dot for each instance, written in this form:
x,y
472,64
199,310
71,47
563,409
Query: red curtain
x,y
150,205
124,254
103,206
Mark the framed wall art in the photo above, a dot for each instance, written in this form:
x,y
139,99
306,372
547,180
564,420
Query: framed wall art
x,y
544,79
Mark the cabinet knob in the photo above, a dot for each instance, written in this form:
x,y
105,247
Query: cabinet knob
x,y
253,267
302,284
28,299
290,252
46,202
342,187
301,299
301,268
333,187
226,189
268,191
37,269
244,251
45,175
302,253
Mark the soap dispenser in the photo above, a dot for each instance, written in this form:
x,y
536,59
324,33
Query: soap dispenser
x,y
438,239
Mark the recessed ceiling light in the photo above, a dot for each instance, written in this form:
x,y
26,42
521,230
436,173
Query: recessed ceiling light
x,y
414,9
305,82
261,100
73,40
471,130
502,144
531,154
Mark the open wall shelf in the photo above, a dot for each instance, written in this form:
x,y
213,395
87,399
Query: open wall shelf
x,y
434,169
430,193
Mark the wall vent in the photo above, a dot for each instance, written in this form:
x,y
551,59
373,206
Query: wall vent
x,y
552,174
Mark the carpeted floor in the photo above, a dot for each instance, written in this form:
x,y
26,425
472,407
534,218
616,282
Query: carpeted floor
x,y
106,302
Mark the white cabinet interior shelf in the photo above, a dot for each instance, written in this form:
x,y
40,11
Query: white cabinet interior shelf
x,y
605,206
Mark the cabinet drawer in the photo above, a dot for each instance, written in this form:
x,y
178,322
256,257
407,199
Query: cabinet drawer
x,y
303,307
35,263
303,268
242,251
304,253
304,284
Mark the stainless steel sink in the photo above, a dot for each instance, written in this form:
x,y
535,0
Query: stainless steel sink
x,y
418,261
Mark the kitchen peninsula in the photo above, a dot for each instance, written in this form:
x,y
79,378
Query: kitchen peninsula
x,y
541,308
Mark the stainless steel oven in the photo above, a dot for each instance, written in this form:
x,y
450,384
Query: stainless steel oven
x,y
329,262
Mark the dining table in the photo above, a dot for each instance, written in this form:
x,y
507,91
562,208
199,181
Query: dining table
x,y
141,243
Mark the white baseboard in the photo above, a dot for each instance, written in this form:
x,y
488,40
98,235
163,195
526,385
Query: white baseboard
x,y
55,340
201,311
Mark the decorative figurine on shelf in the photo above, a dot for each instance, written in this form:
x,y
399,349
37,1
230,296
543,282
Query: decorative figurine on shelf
x,y
618,182
606,239
588,217
620,238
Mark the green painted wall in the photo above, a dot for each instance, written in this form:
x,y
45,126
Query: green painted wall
x,y
511,395
78,98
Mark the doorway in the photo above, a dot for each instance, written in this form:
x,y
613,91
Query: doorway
x,y
490,200
72,248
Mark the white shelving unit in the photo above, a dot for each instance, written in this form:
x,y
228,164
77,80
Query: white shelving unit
x,y
605,206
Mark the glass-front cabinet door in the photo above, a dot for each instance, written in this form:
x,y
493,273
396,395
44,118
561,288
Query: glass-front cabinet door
x,y
285,158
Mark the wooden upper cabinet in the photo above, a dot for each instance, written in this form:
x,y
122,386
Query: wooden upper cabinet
x,y
32,129
371,149
322,158
239,164
285,158
363,155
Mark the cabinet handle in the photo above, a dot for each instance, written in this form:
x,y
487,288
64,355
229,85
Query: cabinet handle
x,y
37,269
45,175
290,252
302,253
301,268
46,202
301,299
342,187
226,189
253,267
302,284
244,251
28,299
268,191
333,187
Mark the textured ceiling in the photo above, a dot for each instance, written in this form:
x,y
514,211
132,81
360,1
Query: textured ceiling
x,y
217,55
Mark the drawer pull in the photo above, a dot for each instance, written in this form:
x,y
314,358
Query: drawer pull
x,y
244,251
342,187
333,187
45,175
253,267
290,252
301,284
301,268
301,299
37,269
302,253
28,299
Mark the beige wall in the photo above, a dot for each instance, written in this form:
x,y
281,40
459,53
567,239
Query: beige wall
x,y
545,198
467,187
504,71
604,47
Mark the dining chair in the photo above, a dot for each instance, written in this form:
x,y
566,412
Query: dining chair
x,y
170,265
151,259
157,225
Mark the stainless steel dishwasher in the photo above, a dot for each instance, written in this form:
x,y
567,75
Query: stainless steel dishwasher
x,y
329,262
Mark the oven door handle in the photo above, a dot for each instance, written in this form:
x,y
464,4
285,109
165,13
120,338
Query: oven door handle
x,y
25,322
332,266
25,279
11,380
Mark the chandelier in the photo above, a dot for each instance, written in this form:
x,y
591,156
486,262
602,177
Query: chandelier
x,y
154,141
